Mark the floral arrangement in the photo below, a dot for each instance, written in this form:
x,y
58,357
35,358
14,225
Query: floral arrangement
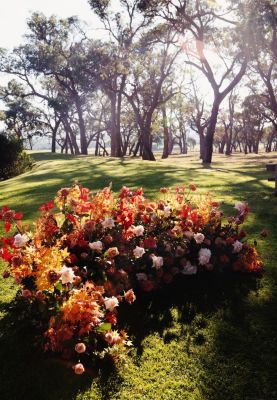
x,y
88,253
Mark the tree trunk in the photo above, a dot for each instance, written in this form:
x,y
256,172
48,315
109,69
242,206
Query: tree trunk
x,y
209,137
83,138
166,134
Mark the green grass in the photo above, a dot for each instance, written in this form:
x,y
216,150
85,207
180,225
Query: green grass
x,y
212,339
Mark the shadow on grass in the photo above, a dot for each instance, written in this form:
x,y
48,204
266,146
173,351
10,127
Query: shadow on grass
x,y
26,373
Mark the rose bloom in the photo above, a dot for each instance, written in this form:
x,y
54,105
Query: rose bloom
x,y
157,262
108,223
111,303
192,187
167,211
237,246
80,348
26,293
204,256
112,337
97,246
79,369
67,275
141,276
130,296
20,240
241,207
112,252
138,252
189,269
138,230
199,237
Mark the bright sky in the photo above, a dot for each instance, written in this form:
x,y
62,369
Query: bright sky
x,y
14,13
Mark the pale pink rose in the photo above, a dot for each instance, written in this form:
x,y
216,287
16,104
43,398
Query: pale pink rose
x,y
80,348
199,237
157,262
138,230
167,211
20,240
67,275
241,207
97,246
141,276
138,252
204,256
79,369
108,223
111,303
237,246
189,269
112,252
113,337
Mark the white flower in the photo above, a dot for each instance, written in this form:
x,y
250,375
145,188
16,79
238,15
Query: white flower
x,y
158,262
138,230
237,246
167,211
189,269
241,207
67,275
141,276
20,240
98,246
108,223
111,303
138,252
204,256
188,234
199,237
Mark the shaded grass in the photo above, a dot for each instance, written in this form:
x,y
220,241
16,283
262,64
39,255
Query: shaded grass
x,y
212,338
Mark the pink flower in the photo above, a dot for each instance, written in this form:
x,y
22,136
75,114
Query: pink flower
x,y
108,223
111,303
138,252
204,256
157,262
199,237
237,246
112,337
138,230
79,369
80,348
97,246
242,207
112,252
20,240
130,296
67,275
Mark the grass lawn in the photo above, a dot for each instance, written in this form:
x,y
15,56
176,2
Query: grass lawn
x,y
214,339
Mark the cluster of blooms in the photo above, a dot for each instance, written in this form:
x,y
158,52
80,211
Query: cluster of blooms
x,y
86,256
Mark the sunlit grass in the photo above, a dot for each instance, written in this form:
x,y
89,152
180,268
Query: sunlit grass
x,y
212,340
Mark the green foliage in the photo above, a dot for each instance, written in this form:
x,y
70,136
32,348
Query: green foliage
x,y
13,161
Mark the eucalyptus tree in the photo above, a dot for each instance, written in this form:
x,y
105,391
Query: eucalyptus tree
x,y
211,37
124,25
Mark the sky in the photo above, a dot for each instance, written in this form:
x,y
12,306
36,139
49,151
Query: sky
x,y
14,13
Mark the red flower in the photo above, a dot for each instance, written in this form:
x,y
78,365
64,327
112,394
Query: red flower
x,y
163,190
192,187
150,243
47,206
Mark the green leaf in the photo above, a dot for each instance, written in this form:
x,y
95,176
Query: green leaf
x,y
106,326
59,286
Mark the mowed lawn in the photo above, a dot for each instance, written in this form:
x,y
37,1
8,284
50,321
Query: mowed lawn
x,y
213,338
